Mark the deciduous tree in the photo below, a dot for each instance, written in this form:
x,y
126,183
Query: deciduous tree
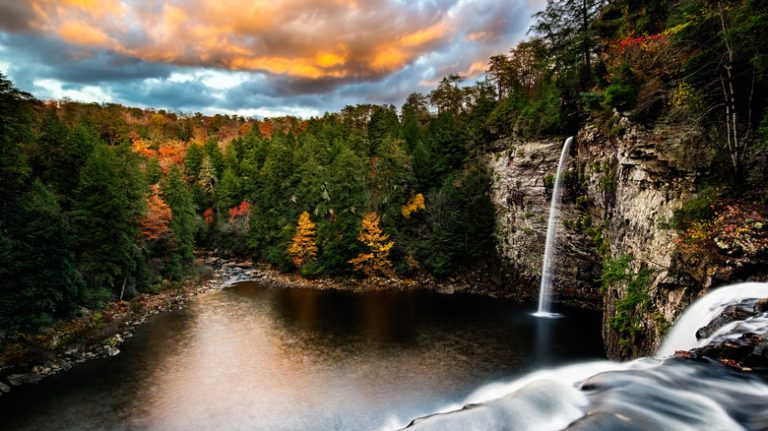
x,y
303,246
376,260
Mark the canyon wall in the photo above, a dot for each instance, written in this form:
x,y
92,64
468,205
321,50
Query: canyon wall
x,y
620,194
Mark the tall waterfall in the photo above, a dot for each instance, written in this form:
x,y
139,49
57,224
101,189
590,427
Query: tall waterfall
x,y
547,268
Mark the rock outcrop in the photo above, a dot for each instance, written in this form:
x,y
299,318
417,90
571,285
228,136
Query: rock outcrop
x,y
621,193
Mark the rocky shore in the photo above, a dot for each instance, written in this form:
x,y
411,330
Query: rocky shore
x,y
29,358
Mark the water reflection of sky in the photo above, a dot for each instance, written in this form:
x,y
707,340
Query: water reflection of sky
x,y
256,358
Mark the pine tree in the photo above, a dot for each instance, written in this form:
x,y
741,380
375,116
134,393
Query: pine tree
x,y
376,262
37,267
183,224
108,204
303,247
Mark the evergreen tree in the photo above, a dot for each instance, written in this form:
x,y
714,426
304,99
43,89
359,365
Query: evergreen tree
x,y
37,268
184,223
108,204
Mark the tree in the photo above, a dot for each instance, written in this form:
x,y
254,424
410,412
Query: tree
x,y
183,223
109,202
303,246
207,181
448,96
16,117
376,261
37,267
383,124
566,28
414,114
415,204
154,224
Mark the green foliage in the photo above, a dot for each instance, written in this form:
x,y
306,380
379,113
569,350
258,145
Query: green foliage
x,y
699,208
40,282
628,319
108,202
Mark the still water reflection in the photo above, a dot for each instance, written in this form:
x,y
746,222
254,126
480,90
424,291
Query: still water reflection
x,y
259,358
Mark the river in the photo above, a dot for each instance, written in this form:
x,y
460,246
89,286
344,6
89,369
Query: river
x,y
253,357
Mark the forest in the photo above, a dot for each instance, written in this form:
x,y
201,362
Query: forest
x,y
103,201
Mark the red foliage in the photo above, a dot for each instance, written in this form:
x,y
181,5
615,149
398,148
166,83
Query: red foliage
x,y
155,222
239,211
266,128
209,216
637,42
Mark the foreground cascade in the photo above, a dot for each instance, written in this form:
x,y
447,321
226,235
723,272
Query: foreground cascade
x,y
550,246
686,391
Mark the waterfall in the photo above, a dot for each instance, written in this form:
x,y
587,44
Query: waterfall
x,y
547,268
682,336
648,393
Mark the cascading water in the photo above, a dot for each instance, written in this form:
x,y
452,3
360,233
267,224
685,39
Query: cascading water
x,y
682,336
547,268
650,393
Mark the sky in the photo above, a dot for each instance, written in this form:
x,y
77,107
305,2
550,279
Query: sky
x,y
256,58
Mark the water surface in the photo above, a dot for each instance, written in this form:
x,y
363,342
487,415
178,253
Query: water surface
x,y
259,358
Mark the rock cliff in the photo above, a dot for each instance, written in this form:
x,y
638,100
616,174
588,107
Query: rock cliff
x,y
621,191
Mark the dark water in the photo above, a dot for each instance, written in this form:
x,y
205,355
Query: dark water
x,y
258,358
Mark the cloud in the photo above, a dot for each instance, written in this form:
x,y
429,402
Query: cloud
x,y
257,55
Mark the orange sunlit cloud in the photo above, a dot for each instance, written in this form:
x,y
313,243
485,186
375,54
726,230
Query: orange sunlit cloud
x,y
283,37
200,55
83,34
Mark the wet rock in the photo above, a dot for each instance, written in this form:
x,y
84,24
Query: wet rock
x,y
731,313
761,306
24,379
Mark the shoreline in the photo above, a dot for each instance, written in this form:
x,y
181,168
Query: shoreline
x,y
30,358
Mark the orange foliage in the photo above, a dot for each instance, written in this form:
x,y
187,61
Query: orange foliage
x,y
239,211
266,128
209,216
377,260
141,147
244,129
414,204
171,153
154,225
303,247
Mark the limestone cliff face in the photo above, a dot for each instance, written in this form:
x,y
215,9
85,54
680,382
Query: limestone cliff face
x,y
620,192
523,174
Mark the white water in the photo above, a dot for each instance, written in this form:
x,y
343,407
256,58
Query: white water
x,y
550,246
682,336
649,393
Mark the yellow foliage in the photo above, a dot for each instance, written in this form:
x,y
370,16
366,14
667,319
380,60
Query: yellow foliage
x,y
415,204
377,260
303,247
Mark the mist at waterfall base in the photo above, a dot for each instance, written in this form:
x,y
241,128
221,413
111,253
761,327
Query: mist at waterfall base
x,y
550,245
664,392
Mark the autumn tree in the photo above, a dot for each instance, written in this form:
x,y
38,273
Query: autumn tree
x,y
154,224
376,261
303,247
415,204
